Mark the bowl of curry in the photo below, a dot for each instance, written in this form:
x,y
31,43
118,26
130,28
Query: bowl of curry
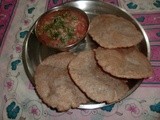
x,y
62,27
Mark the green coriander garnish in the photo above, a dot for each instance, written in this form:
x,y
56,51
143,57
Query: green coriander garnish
x,y
59,28
59,22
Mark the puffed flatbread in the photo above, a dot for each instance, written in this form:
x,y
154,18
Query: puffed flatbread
x,y
111,31
54,85
124,62
97,84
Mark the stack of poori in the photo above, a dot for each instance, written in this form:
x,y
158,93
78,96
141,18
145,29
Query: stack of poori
x,y
67,80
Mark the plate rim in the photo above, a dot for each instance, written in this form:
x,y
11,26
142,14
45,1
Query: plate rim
x,y
25,55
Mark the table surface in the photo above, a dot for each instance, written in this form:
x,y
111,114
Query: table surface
x,y
18,98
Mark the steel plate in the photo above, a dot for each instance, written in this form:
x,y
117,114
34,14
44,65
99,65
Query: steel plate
x,y
34,52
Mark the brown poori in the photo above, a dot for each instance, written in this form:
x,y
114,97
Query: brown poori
x,y
124,62
111,31
92,80
54,85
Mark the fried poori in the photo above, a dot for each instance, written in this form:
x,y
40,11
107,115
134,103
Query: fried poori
x,y
111,31
92,80
124,62
54,85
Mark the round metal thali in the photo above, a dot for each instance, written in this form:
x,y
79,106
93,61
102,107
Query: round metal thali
x,y
34,52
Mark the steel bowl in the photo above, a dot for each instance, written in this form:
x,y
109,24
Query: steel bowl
x,y
42,20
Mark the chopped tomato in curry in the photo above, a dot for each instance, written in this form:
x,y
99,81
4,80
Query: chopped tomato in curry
x,y
61,28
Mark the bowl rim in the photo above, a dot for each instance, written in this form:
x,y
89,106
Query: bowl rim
x,y
56,9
